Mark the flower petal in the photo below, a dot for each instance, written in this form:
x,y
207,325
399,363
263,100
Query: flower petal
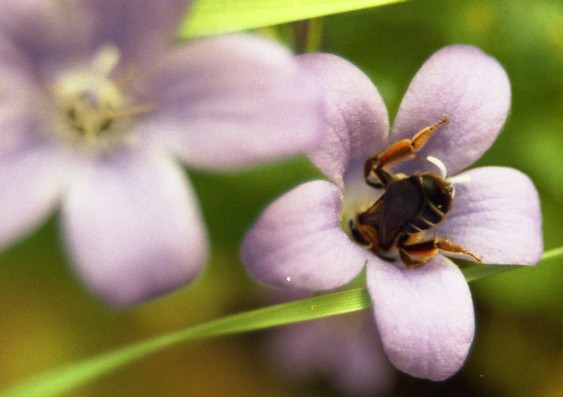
x,y
31,182
19,93
139,28
469,87
47,31
343,350
133,227
356,121
298,242
496,215
424,316
31,171
233,101
55,34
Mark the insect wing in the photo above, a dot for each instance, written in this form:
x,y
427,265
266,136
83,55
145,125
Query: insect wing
x,y
394,211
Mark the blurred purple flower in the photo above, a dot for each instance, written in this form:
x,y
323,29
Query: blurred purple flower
x,y
344,350
424,315
97,103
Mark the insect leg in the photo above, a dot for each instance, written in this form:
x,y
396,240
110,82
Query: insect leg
x,y
417,254
374,172
364,234
420,138
451,248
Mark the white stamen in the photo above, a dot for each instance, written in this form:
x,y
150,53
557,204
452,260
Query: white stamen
x,y
460,179
105,61
439,164
95,111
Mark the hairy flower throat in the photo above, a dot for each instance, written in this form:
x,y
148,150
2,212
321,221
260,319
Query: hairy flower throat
x,y
95,111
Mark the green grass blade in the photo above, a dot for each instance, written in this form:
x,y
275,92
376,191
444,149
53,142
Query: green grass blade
x,y
554,253
67,378
74,375
475,272
220,16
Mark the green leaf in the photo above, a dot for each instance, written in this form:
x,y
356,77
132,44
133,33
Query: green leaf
x,y
554,253
475,272
220,16
67,378
74,375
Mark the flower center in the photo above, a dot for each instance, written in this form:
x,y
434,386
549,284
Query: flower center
x,y
94,111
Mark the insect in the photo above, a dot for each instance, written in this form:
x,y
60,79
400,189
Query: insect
x,y
397,224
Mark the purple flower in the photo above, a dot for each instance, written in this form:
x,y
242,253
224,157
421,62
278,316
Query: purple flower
x,y
98,104
304,240
344,350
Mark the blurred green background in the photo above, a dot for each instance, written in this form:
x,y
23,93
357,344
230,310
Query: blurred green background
x,y
48,319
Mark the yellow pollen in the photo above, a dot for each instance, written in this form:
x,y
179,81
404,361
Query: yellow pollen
x,y
95,108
